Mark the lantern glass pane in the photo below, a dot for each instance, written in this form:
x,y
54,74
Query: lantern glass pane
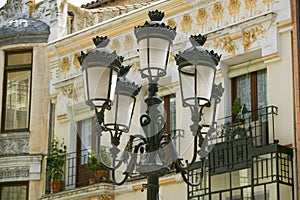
x,y
209,116
98,83
122,116
187,81
204,80
153,56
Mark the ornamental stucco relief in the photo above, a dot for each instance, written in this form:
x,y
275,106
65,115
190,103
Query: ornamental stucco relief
x,y
250,36
202,18
70,92
76,62
65,66
14,146
234,8
128,43
217,12
226,44
171,23
186,23
14,172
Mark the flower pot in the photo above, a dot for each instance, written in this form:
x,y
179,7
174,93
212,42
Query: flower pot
x,y
103,175
56,185
91,181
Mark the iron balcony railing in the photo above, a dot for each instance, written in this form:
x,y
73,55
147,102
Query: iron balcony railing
x,y
246,160
77,174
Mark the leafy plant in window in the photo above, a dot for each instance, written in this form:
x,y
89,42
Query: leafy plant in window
x,y
98,170
55,163
238,110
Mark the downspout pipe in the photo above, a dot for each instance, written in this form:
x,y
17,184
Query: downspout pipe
x,y
297,12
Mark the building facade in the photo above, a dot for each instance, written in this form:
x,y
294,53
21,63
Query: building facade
x,y
254,154
253,157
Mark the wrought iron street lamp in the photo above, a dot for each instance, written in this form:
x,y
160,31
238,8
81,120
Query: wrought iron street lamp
x,y
151,154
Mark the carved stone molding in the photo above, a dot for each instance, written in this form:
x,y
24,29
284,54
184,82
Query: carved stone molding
x,y
14,146
14,172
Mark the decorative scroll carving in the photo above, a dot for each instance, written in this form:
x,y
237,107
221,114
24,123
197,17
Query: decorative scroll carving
x,y
250,36
234,8
128,43
217,11
76,61
65,65
14,146
172,23
186,23
226,44
14,172
69,91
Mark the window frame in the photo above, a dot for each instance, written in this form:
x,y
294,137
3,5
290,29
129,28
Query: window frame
x,y
167,111
10,69
253,89
14,184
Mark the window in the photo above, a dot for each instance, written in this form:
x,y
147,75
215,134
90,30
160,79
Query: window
x,y
14,191
252,90
16,92
169,103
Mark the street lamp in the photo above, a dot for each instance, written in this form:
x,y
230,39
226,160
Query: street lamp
x,y
151,154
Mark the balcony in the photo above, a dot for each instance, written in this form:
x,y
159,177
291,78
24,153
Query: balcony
x,y
246,161
77,176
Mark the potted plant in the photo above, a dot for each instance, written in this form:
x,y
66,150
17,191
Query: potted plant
x,y
99,171
237,126
55,164
93,165
103,171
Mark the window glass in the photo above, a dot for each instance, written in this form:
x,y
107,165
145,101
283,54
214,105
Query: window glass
x,y
14,192
19,58
17,100
86,140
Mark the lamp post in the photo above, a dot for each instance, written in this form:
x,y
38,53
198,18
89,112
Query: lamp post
x,y
113,97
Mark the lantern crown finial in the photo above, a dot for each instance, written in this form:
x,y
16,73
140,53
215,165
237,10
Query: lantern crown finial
x,y
215,56
198,40
156,15
101,41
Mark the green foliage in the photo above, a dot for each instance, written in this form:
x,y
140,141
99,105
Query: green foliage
x,y
93,163
56,160
105,158
238,107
